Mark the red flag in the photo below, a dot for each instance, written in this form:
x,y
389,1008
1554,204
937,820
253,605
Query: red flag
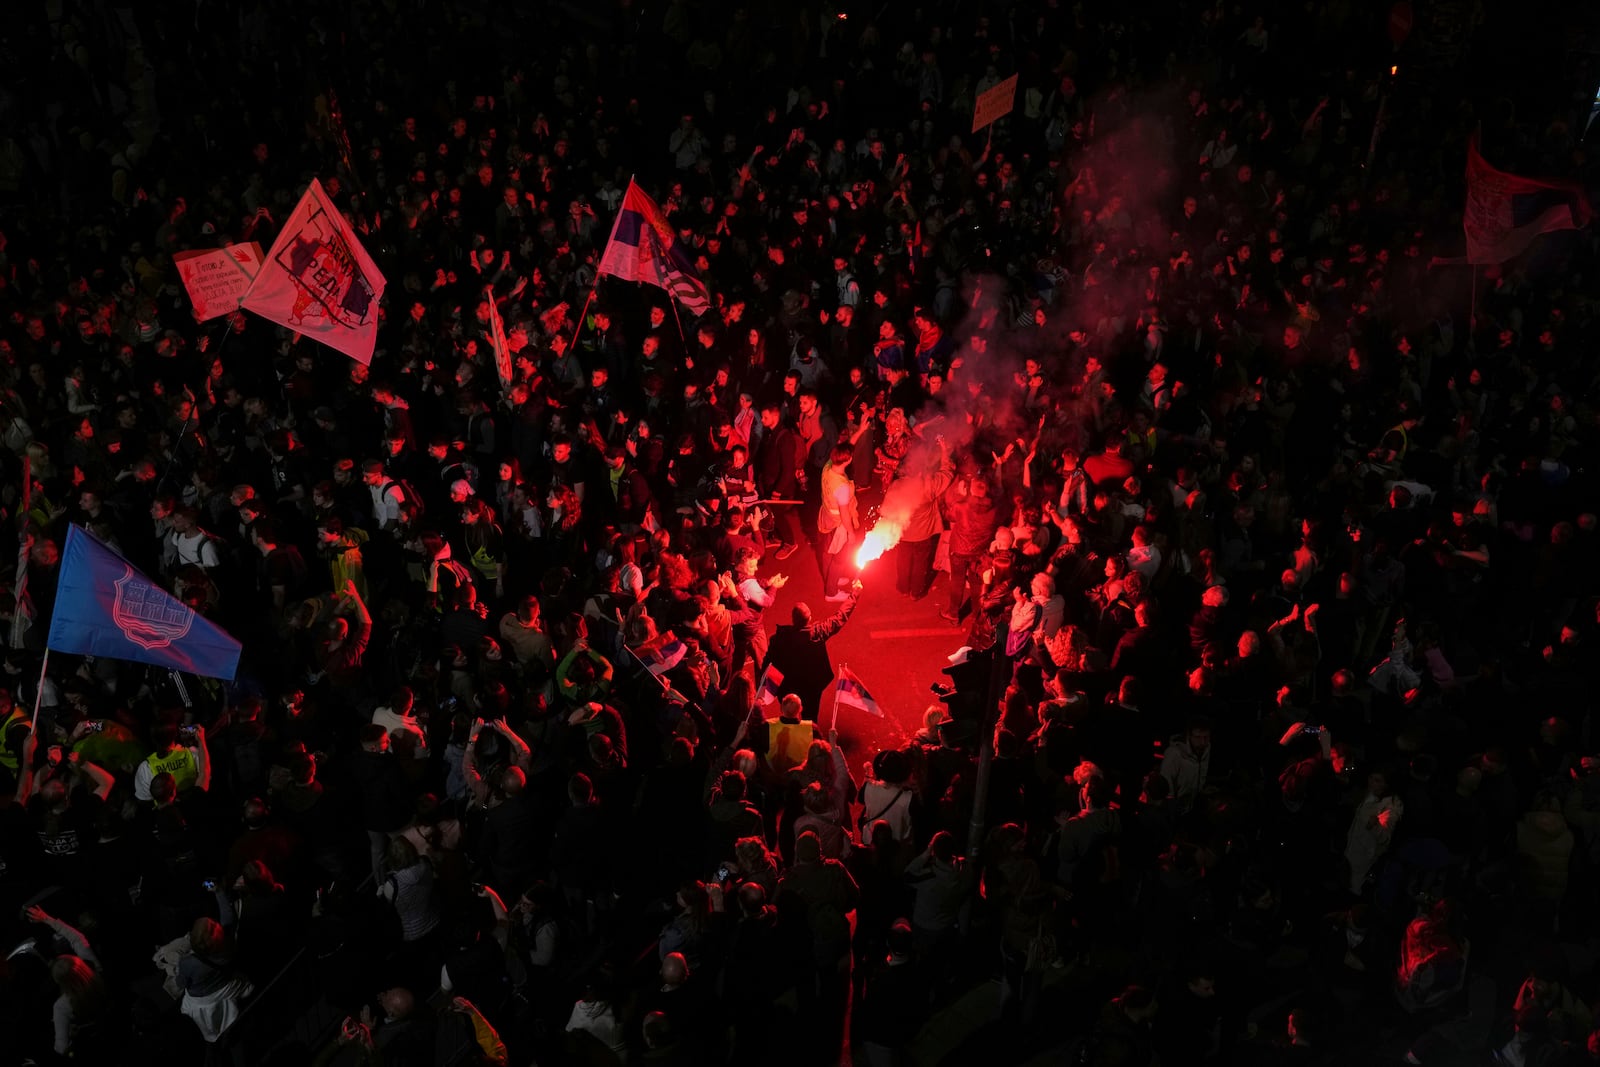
x,y
1505,212
497,338
319,281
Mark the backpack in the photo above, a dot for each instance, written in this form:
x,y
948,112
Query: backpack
x,y
412,498
228,576
452,575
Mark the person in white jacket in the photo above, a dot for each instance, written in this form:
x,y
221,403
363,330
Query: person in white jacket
x,y
1371,829
595,1014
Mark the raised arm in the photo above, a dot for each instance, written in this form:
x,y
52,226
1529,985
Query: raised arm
x,y
202,780
521,754
25,775
66,931
841,766
363,616
469,767
99,778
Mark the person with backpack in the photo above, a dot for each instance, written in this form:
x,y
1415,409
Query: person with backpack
x,y
187,545
389,496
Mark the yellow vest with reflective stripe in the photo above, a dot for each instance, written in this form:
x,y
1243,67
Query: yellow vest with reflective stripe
x,y
180,763
8,756
1405,442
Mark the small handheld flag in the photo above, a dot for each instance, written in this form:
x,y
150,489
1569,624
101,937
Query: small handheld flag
x,y
767,691
668,655
105,607
850,692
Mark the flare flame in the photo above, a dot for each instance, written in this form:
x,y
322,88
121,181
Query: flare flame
x,y
883,536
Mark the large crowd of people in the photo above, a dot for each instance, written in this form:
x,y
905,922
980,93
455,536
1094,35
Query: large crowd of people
x,y
1273,548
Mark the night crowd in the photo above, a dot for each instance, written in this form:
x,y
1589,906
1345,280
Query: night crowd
x,y
1273,547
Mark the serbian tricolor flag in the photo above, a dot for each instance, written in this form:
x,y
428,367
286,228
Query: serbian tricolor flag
x,y
852,694
1505,212
667,655
767,691
643,248
319,281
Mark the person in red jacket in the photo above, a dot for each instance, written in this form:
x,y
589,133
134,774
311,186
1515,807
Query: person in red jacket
x,y
973,520
1110,467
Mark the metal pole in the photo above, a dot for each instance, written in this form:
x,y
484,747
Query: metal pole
x,y
998,677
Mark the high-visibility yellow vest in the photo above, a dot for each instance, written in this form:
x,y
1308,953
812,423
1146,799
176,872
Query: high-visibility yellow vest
x,y
789,744
1405,441
180,763
10,757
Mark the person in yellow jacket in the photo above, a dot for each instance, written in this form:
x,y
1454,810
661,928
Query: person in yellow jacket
x,y
189,765
15,725
341,547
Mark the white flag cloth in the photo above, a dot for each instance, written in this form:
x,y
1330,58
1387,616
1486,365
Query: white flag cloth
x,y
319,281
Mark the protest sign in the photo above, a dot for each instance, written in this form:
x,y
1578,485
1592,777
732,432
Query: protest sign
x,y
217,278
994,103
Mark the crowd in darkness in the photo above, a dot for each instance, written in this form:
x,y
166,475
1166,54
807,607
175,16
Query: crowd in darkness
x,y
1275,546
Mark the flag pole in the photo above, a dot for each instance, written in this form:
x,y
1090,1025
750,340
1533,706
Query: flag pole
x,y
610,237
38,695
834,724
673,300
578,329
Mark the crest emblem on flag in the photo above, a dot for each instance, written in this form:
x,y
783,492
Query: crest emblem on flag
x,y
149,621
106,608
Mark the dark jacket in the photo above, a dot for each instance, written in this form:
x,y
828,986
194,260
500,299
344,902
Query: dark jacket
x,y
777,458
385,794
973,521
801,653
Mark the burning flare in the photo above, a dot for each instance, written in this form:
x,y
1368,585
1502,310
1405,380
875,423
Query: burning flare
x,y
883,536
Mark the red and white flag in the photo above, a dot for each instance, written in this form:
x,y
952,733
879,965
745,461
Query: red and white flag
x,y
319,281
497,338
1505,212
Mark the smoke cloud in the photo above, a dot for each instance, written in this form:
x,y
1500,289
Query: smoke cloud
x,y
1110,219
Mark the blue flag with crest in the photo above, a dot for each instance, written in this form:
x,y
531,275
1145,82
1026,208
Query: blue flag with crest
x,y
106,607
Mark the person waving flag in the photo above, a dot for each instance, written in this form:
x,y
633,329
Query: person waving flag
x,y
643,248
